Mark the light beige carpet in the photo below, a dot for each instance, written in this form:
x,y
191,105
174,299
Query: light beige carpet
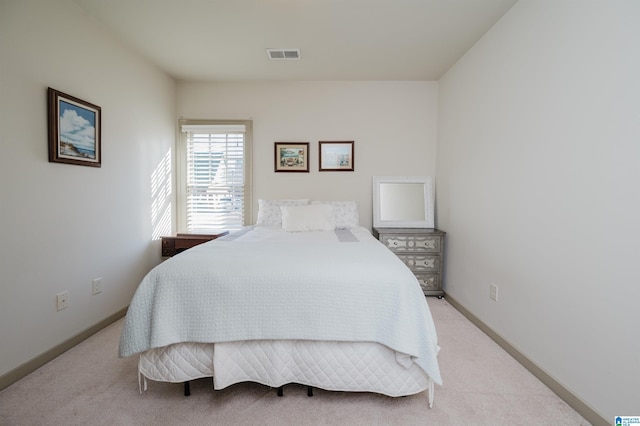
x,y
90,385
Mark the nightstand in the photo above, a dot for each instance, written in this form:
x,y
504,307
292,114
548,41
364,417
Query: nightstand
x,y
183,241
422,250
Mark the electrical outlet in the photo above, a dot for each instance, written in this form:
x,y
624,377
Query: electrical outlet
x,y
62,300
493,292
96,286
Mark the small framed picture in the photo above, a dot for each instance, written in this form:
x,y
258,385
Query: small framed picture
x,y
74,130
291,157
336,156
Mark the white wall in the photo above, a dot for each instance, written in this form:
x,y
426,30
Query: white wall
x,y
393,125
538,150
63,225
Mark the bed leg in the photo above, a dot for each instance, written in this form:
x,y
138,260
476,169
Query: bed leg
x,y
187,389
281,391
309,390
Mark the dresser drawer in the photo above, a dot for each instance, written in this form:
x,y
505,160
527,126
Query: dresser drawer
x,y
422,250
176,244
412,243
421,262
429,282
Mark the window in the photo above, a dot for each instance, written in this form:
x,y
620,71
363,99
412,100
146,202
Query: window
x,y
214,175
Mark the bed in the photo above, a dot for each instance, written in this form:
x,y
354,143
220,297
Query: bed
x,y
304,296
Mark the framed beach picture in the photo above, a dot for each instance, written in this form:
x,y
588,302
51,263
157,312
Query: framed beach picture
x,y
336,156
74,130
291,157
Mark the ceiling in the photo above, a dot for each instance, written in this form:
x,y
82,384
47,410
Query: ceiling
x,y
226,40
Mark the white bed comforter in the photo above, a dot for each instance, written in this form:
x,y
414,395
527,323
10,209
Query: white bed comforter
x,y
271,285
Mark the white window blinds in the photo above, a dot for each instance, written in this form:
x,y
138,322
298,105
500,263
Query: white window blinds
x,y
216,183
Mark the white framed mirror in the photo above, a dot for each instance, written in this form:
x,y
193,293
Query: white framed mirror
x,y
403,202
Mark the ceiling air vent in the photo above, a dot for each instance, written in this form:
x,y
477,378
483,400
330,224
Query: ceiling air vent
x,y
283,54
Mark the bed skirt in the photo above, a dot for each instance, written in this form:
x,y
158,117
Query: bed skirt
x,y
333,366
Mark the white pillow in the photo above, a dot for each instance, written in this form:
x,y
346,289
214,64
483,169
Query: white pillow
x,y
269,210
344,213
314,217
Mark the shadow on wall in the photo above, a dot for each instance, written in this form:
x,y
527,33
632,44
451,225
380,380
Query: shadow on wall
x,y
161,198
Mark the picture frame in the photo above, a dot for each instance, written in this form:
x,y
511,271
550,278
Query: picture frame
x,y
74,130
291,157
336,156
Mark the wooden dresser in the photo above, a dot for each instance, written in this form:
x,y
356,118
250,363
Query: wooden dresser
x,y
422,250
183,241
